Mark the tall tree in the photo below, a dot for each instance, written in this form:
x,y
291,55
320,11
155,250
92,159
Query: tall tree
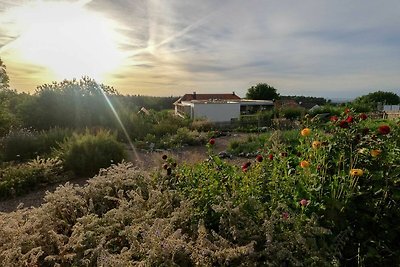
x,y
262,91
4,80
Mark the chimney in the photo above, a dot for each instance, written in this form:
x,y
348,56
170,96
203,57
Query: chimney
x,y
233,93
194,95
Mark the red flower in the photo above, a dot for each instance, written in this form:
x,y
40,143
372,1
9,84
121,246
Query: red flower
x,y
334,118
304,202
212,141
244,169
285,215
344,124
259,158
271,157
363,116
384,129
349,119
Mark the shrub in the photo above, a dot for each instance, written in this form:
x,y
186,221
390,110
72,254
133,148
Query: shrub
x,y
201,125
86,153
186,137
25,144
19,145
125,217
18,179
291,113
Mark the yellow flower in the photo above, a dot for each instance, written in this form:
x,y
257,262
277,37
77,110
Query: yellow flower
x,y
306,132
305,164
356,172
316,144
375,152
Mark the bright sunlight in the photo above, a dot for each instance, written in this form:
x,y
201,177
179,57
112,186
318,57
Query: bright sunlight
x,y
66,39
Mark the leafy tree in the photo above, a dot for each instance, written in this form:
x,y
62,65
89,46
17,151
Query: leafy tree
x,y
4,80
371,99
262,91
70,103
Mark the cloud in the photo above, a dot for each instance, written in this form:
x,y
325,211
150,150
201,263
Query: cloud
x,y
310,47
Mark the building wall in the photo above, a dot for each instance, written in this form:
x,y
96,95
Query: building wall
x,y
216,112
391,107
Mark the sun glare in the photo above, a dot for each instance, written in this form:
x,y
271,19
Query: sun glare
x,y
67,39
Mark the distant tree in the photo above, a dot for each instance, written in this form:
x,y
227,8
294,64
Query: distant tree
x,y
306,99
4,80
262,91
371,99
84,87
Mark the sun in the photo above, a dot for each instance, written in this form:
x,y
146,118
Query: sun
x,y
67,39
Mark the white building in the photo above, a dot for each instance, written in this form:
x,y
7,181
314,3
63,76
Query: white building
x,y
218,107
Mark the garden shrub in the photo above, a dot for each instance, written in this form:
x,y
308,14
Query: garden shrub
x,y
291,113
19,145
252,144
85,154
184,136
201,125
24,144
16,180
124,217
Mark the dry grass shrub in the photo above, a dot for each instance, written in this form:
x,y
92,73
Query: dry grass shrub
x,y
124,217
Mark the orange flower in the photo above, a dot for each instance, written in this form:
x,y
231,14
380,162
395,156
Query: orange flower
x,y
306,132
316,144
375,152
305,164
356,172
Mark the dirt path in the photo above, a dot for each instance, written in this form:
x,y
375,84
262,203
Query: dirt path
x,y
147,161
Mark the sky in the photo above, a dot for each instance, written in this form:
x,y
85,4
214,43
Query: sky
x,y
333,49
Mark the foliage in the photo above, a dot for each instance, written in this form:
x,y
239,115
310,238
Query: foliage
x,y
124,217
201,125
9,101
69,104
135,102
18,179
182,137
160,124
366,202
4,79
371,99
306,99
24,144
326,195
332,110
291,113
19,145
85,154
251,146
262,91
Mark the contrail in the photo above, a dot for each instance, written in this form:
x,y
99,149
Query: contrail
x,y
176,35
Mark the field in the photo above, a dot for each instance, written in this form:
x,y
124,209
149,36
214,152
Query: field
x,y
323,195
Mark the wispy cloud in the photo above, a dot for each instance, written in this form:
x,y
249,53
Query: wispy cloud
x,y
310,47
